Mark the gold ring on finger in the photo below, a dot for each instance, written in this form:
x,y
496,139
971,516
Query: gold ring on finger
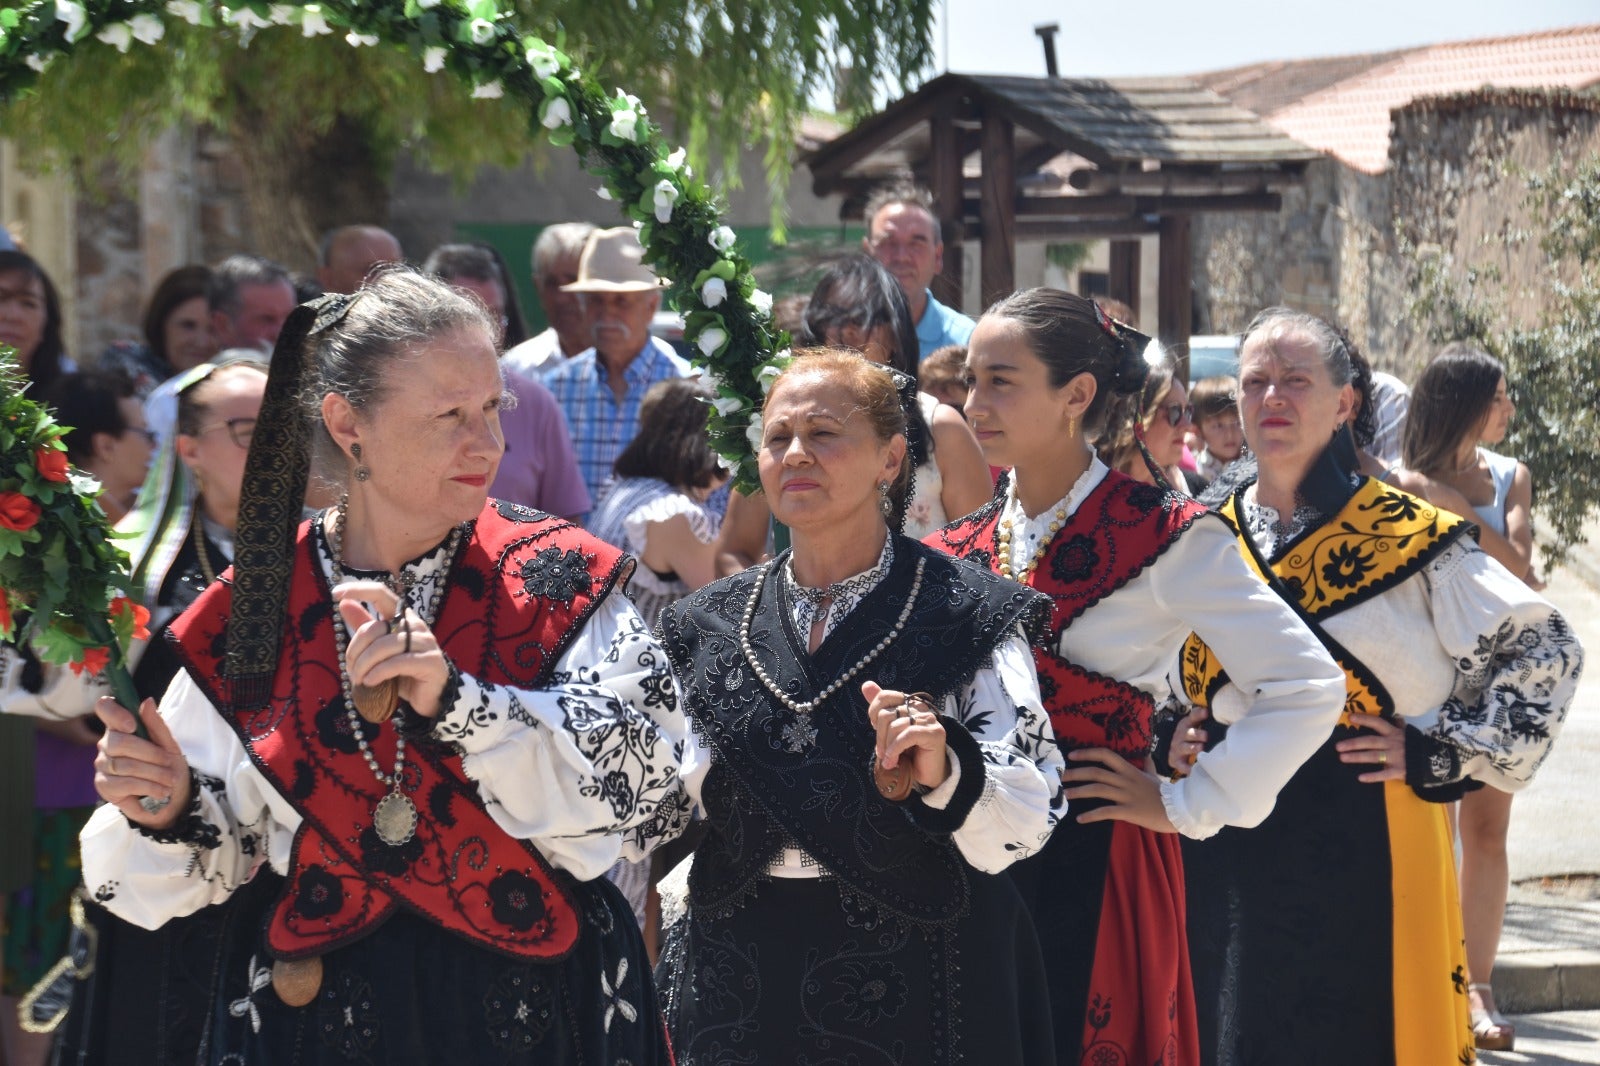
x,y
1383,758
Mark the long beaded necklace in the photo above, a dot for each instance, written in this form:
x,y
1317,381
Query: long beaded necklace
x,y
802,733
395,816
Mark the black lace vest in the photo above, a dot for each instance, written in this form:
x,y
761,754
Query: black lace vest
x,y
760,796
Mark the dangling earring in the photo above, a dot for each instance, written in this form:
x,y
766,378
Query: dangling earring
x,y
1072,426
362,473
884,506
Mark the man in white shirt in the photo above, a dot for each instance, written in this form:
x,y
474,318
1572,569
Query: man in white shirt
x,y
555,265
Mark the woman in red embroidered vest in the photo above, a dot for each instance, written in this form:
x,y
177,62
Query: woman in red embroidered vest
x,y
1132,570
435,714
1332,932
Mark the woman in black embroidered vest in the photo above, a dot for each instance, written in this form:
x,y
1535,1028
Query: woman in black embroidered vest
x,y
1132,570
436,715
827,922
1331,933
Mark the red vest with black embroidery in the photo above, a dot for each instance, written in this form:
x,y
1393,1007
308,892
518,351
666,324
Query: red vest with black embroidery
x,y
519,589
1117,531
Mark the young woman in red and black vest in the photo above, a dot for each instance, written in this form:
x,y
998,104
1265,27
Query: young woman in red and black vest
x,y
1132,569
434,714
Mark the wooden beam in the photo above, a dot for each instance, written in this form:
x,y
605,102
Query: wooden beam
x,y
944,177
1059,206
1177,182
1123,282
829,162
997,207
1176,303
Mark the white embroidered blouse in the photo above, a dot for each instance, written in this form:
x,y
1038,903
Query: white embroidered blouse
x,y
1287,693
587,770
1000,707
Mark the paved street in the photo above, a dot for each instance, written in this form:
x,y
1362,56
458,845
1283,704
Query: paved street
x,y
1553,823
1568,1036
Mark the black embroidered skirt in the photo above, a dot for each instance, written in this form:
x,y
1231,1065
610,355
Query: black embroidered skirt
x,y
415,994
802,972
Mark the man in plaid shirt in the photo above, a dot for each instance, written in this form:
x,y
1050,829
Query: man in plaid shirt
x,y
599,389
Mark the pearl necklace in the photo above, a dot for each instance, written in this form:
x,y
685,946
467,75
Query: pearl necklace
x,y
395,816
1003,542
807,735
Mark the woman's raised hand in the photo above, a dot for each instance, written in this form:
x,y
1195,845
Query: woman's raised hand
x,y
387,644
129,768
907,727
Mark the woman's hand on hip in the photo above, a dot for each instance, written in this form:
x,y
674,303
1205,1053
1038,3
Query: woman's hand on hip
x,y
128,768
1131,794
1385,749
386,642
907,727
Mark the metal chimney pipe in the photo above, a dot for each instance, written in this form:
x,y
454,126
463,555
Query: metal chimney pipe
x,y
1046,33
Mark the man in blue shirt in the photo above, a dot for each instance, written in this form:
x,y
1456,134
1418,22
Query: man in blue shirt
x,y
903,234
599,389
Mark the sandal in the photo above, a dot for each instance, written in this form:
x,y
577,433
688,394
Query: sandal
x,y
1490,1030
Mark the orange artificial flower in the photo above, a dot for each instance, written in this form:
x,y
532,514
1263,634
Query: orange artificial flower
x,y
18,512
94,661
52,464
141,616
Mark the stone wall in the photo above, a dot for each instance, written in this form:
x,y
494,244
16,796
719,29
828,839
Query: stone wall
x,y
1458,168
1453,188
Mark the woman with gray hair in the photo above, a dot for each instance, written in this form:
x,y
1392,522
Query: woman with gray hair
x,y
434,714
1339,910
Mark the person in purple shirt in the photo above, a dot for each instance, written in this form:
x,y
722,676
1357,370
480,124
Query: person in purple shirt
x,y
539,468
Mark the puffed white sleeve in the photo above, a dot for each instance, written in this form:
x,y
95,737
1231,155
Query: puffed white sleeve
x,y
1285,691
1003,796
235,821
1517,667
588,768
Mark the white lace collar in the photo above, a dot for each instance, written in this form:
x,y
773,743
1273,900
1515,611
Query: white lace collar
x,y
845,595
1028,535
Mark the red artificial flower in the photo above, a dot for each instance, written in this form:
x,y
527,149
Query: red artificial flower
x,y
52,464
141,616
18,512
5,613
94,661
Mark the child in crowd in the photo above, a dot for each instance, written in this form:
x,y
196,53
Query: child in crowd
x,y
1216,417
943,375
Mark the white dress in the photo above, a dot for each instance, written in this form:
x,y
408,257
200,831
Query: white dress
x,y
925,510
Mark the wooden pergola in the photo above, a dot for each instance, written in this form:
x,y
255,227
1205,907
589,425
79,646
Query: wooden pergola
x,y
1068,159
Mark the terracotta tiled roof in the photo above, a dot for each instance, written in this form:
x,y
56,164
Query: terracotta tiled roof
x,y
1350,118
1269,87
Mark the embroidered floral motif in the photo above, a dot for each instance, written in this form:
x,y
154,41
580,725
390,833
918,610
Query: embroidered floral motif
x,y
392,859
516,901
1146,498
1075,560
871,991
556,575
333,728
615,1002
519,1010
347,1016
245,1006
1346,567
319,893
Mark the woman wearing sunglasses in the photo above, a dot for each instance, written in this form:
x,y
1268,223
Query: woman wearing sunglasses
x,y
1159,416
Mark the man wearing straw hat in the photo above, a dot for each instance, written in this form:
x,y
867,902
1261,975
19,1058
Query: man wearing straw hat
x,y
599,390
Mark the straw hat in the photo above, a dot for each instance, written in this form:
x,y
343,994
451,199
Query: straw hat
x,y
613,261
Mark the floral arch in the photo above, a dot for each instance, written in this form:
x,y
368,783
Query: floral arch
x,y
728,319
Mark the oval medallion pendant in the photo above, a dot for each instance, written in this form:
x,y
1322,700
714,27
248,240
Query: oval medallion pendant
x,y
377,703
297,981
395,819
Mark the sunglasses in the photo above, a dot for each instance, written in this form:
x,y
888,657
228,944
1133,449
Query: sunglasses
x,y
1177,413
